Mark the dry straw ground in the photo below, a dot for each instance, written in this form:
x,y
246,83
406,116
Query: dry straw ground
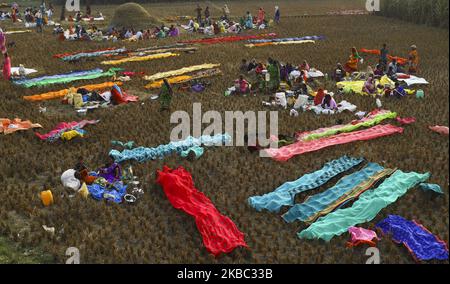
x,y
152,231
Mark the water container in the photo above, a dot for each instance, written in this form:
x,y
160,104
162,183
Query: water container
x,y
420,94
47,197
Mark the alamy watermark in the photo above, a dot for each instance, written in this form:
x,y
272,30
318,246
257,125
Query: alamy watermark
x,y
74,255
373,5
73,5
258,132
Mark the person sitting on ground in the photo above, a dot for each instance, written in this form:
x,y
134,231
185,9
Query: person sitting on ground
x,y
248,21
173,32
165,95
242,86
329,103
398,91
112,171
369,86
252,65
261,16
352,63
379,71
413,60
394,65
339,73
305,66
318,99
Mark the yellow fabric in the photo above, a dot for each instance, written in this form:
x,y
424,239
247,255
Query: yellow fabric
x,y
64,92
178,72
386,81
173,80
18,32
355,86
84,192
280,43
69,135
140,58
47,197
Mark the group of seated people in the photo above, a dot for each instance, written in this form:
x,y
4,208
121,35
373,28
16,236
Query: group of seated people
x,y
209,27
135,35
111,172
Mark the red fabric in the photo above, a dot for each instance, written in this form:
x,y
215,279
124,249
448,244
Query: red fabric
x,y
406,120
220,234
227,39
285,153
403,76
7,68
319,97
132,74
443,130
400,60
120,97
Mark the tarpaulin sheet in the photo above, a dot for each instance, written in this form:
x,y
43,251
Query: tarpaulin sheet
x,y
139,58
186,78
66,78
251,45
285,194
227,39
142,154
8,126
285,153
63,127
373,118
287,39
420,242
62,93
322,203
366,208
400,60
361,236
89,54
184,70
219,233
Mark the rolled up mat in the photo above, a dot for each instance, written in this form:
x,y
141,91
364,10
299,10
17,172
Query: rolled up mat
x,y
366,208
285,153
285,194
420,242
322,203
219,233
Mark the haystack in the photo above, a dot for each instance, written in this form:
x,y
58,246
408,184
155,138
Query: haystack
x,y
132,15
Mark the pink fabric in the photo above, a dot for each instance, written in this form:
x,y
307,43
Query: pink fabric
x,y
285,153
7,68
64,126
361,234
443,130
406,120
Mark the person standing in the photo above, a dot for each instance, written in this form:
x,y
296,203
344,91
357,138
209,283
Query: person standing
x,y
384,56
199,14
277,15
413,59
39,21
7,67
165,95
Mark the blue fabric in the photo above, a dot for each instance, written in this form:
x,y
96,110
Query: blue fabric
x,y
71,74
431,187
198,151
93,54
285,194
286,39
142,154
318,202
419,241
115,193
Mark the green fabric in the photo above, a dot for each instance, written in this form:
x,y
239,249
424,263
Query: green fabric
x,y
352,127
165,97
274,72
365,209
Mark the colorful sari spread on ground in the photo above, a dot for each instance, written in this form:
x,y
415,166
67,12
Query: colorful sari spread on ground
x,y
285,194
139,58
63,127
215,40
62,93
420,242
8,126
142,154
88,54
185,78
219,233
346,189
181,71
288,39
285,153
262,44
400,60
366,208
66,78
164,50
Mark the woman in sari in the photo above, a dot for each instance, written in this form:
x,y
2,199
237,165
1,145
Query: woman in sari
x,y
413,60
165,95
7,67
352,63
112,171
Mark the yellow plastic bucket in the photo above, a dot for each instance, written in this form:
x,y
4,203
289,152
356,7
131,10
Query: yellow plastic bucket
x,y
47,197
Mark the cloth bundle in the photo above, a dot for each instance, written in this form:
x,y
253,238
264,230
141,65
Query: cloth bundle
x,y
8,126
63,127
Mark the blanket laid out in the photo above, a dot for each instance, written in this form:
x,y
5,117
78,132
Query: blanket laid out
x,y
142,154
411,79
420,242
288,39
219,233
215,40
185,78
346,189
15,71
62,93
63,127
366,208
164,50
139,58
285,194
361,236
443,130
178,72
357,86
89,54
285,153
66,78
251,45
8,126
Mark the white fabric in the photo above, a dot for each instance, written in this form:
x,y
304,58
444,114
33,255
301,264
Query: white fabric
x,y
342,106
69,180
15,71
301,101
314,74
413,80
280,99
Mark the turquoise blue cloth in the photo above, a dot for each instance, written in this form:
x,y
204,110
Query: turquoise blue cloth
x,y
431,186
285,194
93,54
318,202
142,154
198,151
366,208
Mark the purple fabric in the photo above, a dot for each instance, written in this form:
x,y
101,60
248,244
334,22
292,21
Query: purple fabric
x,y
422,244
109,173
63,127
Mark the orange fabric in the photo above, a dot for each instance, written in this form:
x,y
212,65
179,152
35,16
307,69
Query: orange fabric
x,y
62,93
86,177
319,97
8,126
400,60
